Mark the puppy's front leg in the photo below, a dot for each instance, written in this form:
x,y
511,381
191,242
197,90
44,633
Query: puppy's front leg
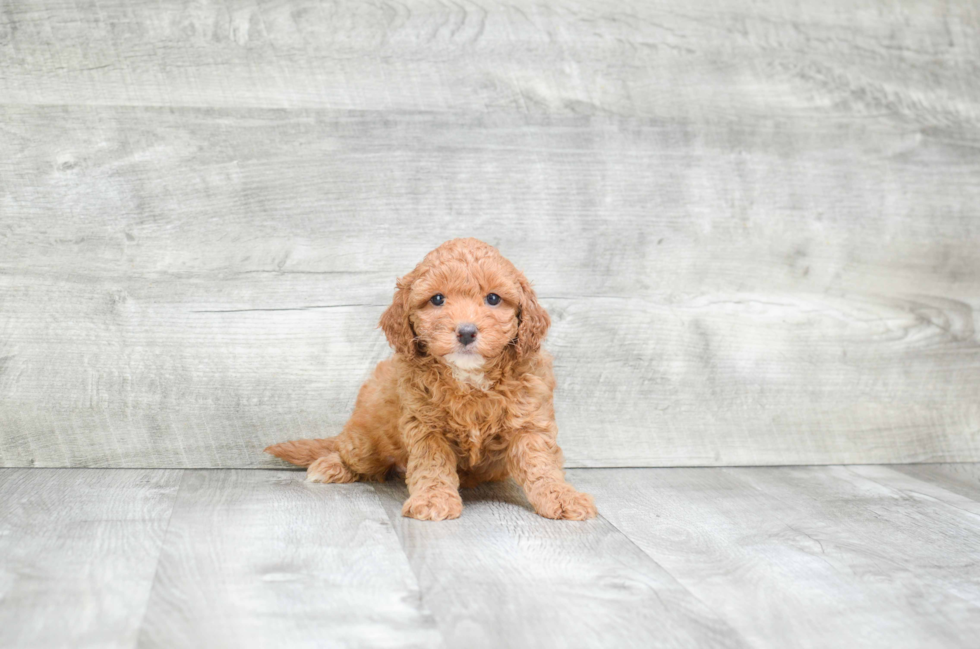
x,y
433,483
535,461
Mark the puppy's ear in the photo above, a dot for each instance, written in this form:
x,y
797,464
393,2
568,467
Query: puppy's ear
x,y
394,321
532,319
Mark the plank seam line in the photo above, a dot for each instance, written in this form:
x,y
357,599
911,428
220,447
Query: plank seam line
x,y
408,561
721,619
156,566
717,614
295,308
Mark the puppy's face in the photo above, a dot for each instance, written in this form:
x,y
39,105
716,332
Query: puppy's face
x,y
464,304
465,312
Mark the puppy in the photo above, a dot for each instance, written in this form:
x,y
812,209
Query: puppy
x,y
466,397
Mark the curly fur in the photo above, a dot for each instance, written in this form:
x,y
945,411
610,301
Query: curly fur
x,y
448,415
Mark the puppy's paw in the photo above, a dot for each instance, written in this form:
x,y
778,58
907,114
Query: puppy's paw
x,y
330,468
433,506
563,502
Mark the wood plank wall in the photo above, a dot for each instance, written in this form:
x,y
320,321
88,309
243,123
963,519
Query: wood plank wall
x,y
756,225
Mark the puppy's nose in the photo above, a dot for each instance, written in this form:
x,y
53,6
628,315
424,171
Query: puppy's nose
x,y
466,333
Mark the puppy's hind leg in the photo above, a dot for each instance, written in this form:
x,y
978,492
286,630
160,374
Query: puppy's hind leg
x,y
365,449
330,468
369,445
320,456
358,453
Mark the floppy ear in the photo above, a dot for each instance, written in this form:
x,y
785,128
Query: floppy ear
x,y
394,321
532,319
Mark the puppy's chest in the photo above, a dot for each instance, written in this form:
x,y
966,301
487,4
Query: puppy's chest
x,y
477,445
479,434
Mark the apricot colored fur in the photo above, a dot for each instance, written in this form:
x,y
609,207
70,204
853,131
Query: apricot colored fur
x,y
430,413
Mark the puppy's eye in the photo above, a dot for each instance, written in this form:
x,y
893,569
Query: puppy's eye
x,y
493,299
438,299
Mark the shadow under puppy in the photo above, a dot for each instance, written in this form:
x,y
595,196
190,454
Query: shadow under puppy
x,y
466,398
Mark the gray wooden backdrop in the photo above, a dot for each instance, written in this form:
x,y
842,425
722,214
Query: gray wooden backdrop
x,y
756,225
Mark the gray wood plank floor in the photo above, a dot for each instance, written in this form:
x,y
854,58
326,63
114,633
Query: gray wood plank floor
x,y
78,550
259,558
856,556
503,576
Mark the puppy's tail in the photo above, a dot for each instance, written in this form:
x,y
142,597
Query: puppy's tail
x,y
303,452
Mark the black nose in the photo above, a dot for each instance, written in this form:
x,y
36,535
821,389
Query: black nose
x,y
466,333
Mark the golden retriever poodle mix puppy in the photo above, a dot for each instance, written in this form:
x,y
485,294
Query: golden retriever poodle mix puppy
x,y
466,397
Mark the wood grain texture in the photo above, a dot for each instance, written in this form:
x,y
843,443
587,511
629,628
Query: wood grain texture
x,y
712,60
962,479
861,556
940,542
755,228
501,576
916,487
78,550
264,559
809,557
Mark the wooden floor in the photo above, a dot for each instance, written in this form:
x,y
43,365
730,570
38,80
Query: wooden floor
x,y
834,556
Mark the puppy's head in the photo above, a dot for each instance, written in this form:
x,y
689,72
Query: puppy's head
x,y
465,303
